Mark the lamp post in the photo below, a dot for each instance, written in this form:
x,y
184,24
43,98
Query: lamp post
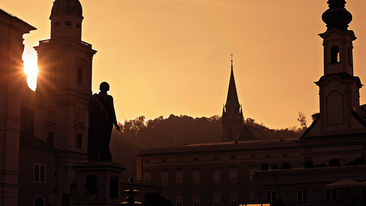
x,y
130,193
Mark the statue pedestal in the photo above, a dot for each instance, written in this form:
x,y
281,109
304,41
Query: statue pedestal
x,y
98,183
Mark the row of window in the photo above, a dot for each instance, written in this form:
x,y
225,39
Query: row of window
x,y
40,201
67,23
196,176
302,195
253,156
216,200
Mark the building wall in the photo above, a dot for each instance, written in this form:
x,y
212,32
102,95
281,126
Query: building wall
x,y
30,188
12,83
248,158
244,158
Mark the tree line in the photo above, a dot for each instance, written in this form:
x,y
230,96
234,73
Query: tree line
x,y
179,130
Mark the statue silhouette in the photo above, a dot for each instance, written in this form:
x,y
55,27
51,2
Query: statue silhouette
x,y
102,117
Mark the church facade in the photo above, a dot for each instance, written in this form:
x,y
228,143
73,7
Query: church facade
x,y
326,166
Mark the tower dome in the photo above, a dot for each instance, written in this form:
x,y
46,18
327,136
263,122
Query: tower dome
x,y
337,16
67,7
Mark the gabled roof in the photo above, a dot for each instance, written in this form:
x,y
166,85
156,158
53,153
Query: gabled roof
x,y
27,27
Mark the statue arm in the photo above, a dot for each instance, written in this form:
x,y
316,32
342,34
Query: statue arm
x,y
113,113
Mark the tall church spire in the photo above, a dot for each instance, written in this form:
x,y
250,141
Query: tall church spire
x,y
232,115
232,95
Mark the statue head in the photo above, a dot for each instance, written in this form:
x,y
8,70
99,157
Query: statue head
x,y
104,87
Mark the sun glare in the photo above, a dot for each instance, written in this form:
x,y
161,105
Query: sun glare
x,y
30,69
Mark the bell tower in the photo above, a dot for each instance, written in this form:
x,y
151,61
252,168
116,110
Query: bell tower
x,y
64,80
338,46
340,110
339,88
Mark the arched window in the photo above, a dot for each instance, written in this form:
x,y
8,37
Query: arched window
x,y
335,55
79,76
39,201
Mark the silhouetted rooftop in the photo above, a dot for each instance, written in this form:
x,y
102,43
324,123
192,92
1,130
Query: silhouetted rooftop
x,y
67,7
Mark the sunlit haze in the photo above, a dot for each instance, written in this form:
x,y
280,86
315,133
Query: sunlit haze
x,y
165,57
30,68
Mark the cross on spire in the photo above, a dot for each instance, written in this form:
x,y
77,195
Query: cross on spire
x,y
232,57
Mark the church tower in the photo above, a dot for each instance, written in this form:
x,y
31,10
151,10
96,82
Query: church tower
x,y
64,80
340,110
232,115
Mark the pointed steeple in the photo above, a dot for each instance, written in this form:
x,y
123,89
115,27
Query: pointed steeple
x,y
232,95
232,115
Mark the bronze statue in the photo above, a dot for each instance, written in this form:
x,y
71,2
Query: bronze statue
x,y
102,117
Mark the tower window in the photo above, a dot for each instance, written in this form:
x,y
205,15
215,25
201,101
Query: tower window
x,y
39,173
68,23
335,55
79,141
50,139
79,76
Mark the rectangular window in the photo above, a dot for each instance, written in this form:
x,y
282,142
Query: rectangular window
x,y
50,139
271,196
179,177
217,200
66,201
164,178
196,200
79,141
216,176
234,199
331,195
196,176
302,195
39,173
178,200
147,176
233,175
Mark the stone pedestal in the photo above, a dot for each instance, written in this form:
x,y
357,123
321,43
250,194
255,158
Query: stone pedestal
x,y
98,183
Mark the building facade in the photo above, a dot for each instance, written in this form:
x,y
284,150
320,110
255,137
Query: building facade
x,y
326,166
12,86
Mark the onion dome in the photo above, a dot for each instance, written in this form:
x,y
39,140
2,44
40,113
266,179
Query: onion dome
x,y
337,16
67,7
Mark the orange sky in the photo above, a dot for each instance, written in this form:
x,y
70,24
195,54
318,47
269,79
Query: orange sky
x,y
173,56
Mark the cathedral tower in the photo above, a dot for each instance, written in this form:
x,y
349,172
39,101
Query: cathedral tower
x,y
63,91
232,115
64,80
340,110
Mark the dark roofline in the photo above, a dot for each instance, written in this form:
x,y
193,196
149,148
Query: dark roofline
x,y
14,18
309,128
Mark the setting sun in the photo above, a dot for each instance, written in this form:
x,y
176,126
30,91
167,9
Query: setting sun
x,y
30,69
